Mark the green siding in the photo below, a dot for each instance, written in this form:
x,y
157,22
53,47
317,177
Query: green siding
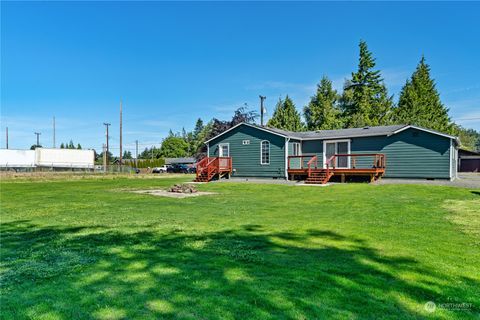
x,y
409,154
313,147
423,155
246,158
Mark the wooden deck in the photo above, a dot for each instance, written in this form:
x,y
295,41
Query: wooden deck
x,y
213,167
307,166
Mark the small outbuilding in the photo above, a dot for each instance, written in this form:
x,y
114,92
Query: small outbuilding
x,y
468,161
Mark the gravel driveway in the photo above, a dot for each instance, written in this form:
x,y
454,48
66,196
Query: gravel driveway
x,y
464,180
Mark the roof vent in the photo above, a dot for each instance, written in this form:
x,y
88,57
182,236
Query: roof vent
x,y
367,127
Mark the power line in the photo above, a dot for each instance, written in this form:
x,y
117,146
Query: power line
x,y
468,118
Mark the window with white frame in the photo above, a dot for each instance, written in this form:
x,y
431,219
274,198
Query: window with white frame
x,y
265,152
296,149
224,150
245,142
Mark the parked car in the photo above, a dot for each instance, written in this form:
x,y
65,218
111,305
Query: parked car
x,y
178,168
161,169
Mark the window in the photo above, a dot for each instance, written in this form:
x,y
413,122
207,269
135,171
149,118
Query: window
x,y
224,150
296,149
245,142
265,152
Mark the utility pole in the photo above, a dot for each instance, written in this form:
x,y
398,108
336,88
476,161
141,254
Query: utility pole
x,y
7,136
136,153
152,153
121,155
54,132
262,109
106,124
38,139
104,159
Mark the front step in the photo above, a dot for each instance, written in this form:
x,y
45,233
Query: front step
x,y
318,177
203,177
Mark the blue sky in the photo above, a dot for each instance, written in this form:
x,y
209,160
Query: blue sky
x,y
174,62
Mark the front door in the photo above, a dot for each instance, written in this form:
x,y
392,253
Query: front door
x,y
330,150
337,147
224,150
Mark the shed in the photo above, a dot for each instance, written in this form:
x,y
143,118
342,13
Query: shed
x,y
468,161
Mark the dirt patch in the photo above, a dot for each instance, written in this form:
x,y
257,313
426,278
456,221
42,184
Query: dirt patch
x,y
165,193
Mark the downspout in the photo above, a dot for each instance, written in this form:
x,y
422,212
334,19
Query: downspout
x,y
286,157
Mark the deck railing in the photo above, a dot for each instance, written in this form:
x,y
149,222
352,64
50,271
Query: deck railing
x,y
379,160
300,162
214,165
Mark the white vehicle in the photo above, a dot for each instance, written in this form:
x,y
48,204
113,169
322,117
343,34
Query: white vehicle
x,y
162,169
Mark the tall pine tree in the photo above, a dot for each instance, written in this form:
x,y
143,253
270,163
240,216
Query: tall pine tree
x,y
420,104
365,99
322,113
286,116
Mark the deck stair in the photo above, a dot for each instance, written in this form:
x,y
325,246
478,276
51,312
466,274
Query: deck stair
x,y
319,177
211,167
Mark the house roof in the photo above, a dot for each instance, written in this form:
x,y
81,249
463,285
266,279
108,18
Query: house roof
x,y
180,160
339,133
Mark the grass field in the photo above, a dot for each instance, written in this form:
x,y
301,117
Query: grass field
x,y
88,248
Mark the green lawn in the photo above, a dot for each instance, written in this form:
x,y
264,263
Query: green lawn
x,y
88,248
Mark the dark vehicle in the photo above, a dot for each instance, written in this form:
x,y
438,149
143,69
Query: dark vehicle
x,y
178,168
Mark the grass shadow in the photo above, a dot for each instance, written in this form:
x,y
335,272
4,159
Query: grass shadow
x,y
100,273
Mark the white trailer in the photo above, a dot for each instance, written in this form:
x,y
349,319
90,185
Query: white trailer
x,y
10,158
64,158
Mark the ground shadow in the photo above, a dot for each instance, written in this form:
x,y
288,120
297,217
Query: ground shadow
x,y
245,273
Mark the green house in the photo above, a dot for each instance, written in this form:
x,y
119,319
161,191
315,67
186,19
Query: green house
x,y
396,151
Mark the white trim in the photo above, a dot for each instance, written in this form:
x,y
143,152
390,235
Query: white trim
x,y
335,141
247,124
451,162
208,150
287,140
220,148
422,129
261,150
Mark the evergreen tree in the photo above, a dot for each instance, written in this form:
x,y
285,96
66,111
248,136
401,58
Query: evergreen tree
x,y
365,99
79,146
62,146
127,155
71,145
322,113
198,128
420,104
286,116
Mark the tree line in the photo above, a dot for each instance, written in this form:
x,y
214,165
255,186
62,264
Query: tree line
x,y
364,101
